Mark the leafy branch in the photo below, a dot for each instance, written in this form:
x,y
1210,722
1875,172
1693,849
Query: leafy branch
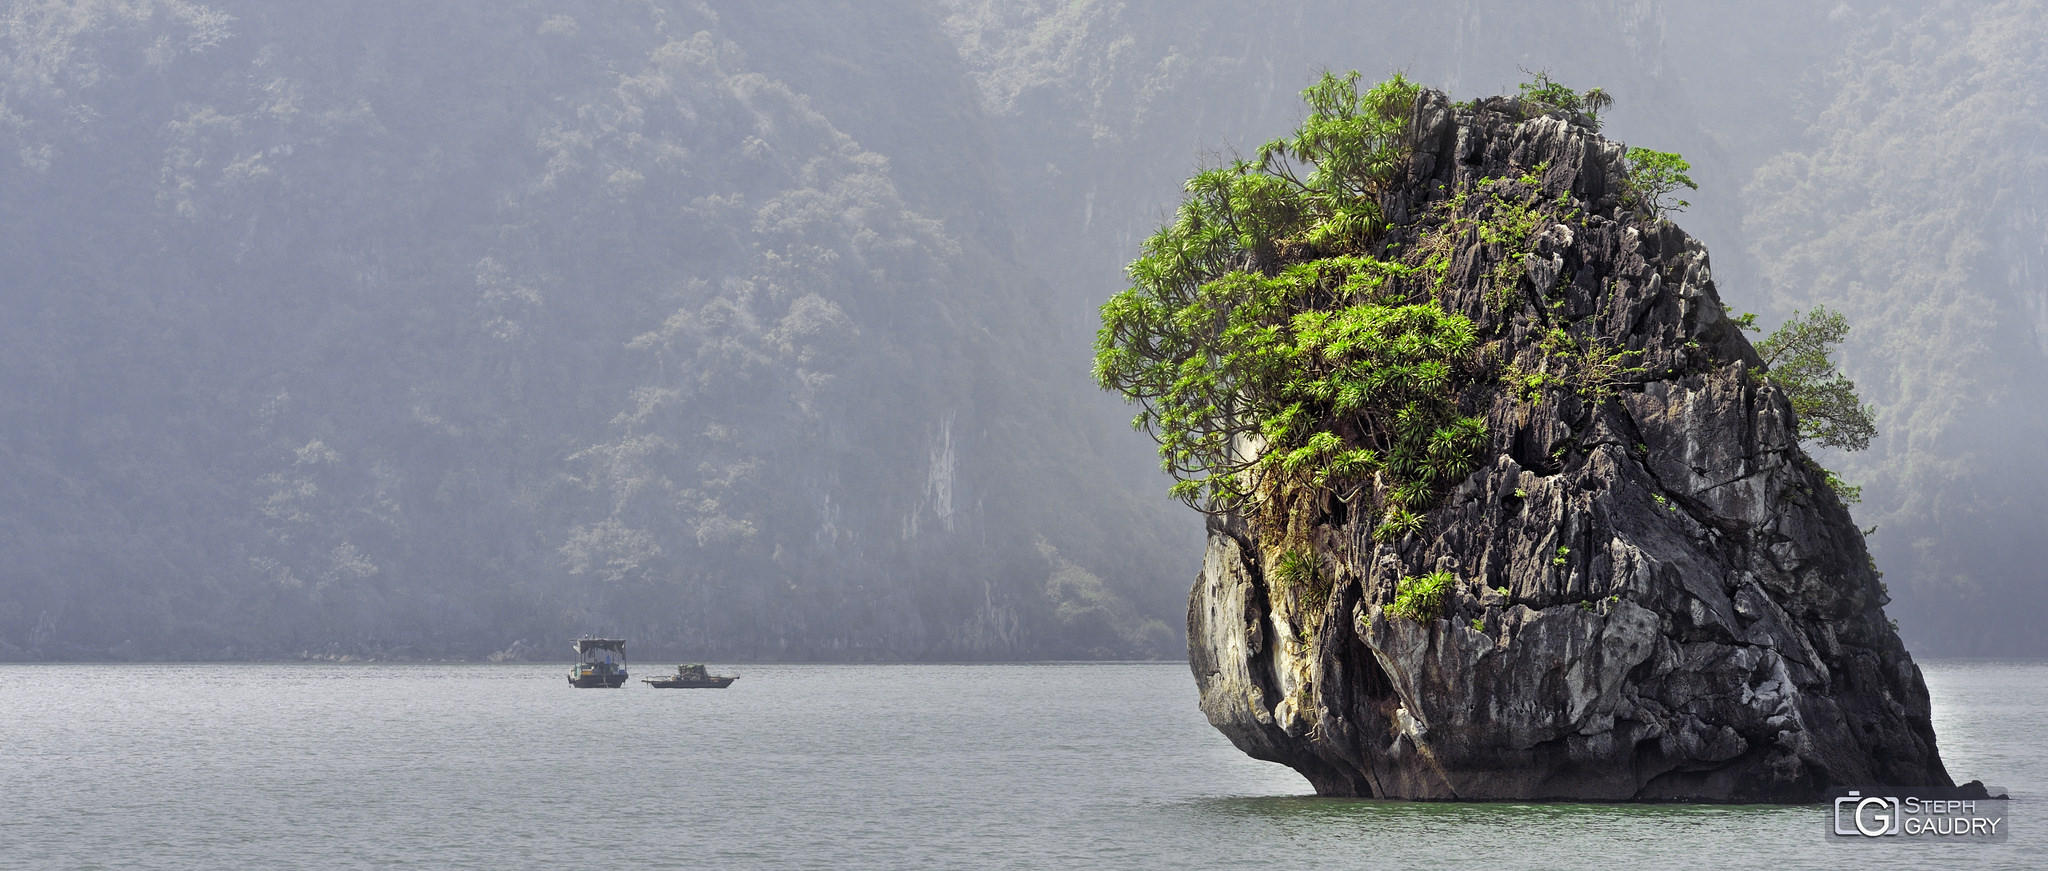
x,y
1799,357
1272,355
1654,176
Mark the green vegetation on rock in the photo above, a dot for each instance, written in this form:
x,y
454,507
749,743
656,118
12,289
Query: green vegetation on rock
x,y
1653,178
1422,598
1800,357
1275,355
1298,570
1541,94
1292,352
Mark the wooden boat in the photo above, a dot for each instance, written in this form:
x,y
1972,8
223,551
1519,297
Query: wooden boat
x,y
691,677
602,663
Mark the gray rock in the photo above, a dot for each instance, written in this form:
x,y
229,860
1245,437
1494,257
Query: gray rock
x,y
1672,603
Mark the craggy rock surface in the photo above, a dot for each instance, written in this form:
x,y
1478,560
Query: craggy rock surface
x,y
1674,605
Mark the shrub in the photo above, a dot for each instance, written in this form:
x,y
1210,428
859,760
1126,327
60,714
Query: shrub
x,y
1422,598
1655,175
1542,94
1798,357
1273,355
1298,569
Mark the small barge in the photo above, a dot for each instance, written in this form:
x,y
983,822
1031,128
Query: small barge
x,y
691,677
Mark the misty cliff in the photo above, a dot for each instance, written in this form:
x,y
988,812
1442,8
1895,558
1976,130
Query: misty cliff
x,y
332,326
374,328
1644,589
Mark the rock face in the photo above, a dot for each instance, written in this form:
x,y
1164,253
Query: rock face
x,y
1657,596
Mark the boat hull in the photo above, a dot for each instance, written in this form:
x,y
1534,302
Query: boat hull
x,y
678,683
589,681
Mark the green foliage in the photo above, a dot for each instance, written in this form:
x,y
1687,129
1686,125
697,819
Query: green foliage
x,y
1653,176
1558,560
1850,494
1542,94
1586,366
1799,357
1502,213
1422,598
1295,569
1299,570
1272,353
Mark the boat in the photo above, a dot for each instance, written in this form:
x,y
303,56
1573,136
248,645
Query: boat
x,y
691,677
601,663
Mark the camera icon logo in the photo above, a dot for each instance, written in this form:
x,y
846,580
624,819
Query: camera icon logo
x,y
1871,816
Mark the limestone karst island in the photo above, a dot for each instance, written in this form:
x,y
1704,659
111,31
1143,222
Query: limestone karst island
x,y
1503,503
1023,434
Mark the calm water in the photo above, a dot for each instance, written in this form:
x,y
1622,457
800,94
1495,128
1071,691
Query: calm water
x,y
1024,766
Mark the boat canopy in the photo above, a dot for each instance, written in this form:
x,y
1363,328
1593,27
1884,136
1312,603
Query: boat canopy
x,y
586,645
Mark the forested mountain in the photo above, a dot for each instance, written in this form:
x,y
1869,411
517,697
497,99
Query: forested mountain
x,y
761,329
1915,207
387,329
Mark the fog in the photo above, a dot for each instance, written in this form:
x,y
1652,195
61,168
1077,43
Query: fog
x,y
761,330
